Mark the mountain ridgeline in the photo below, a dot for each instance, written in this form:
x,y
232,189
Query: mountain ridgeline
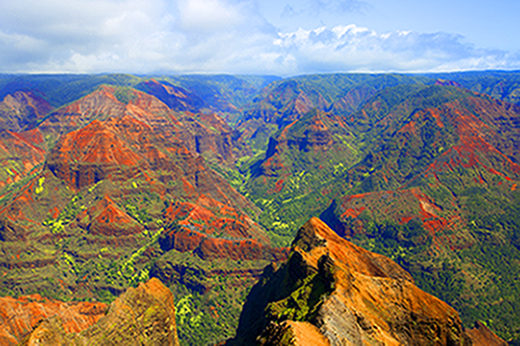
x,y
203,181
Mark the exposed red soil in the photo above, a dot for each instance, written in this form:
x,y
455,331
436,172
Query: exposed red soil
x,y
480,335
19,316
209,247
112,221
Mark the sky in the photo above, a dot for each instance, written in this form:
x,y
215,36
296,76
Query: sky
x,y
274,37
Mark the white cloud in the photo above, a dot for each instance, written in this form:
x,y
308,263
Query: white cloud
x,y
209,15
146,36
65,30
338,5
352,48
312,7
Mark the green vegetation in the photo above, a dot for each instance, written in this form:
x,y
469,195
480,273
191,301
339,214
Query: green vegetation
x,y
479,281
39,188
65,217
124,94
347,134
209,294
291,181
385,157
141,215
501,85
60,90
304,302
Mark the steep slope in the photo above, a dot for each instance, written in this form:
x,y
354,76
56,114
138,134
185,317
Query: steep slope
x,y
309,151
119,192
123,148
177,98
350,296
21,110
502,85
304,155
144,315
280,105
101,104
21,154
353,98
20,316
481,335
432,182
225,95
286,102
62,89
410,128
22,149
222,93
393,140
426,174
437,191
201,133
282,102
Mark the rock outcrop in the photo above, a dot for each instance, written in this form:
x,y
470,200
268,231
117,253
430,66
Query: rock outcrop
x,y
22,110
18,316
480,335
141,316
331,291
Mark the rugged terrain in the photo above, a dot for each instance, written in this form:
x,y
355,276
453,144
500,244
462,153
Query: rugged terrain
x,y
144,315
21,315
331,292
125,190
425,174
202,181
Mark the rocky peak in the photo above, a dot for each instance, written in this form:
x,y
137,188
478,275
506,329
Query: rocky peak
x,y
144,315
334,292
315,239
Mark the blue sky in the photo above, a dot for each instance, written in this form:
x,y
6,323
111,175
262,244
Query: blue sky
x,y
258,37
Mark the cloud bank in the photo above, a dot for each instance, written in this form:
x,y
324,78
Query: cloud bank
x,y
214,36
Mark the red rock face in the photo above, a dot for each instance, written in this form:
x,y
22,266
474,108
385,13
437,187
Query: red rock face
x,y
120,175
365,298
471,141
145,314
474,161
185,240
109,220
91,154
208,247
400,206
480,335
20,153
97,143
201,133
22,110
120,147
214,219
19,316
100,104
